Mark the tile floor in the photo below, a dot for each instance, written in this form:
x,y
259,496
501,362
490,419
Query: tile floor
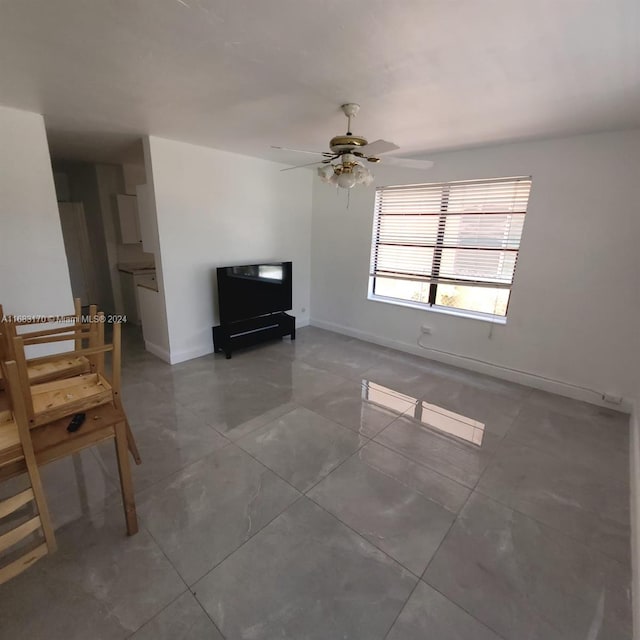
x,y
332,489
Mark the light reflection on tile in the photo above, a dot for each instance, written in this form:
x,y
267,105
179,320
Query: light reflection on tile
x,y
385,397
430,415
451,423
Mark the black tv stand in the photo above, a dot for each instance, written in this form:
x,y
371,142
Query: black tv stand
x,y
244,333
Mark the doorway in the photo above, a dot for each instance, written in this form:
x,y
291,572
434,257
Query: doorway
x,y
78,249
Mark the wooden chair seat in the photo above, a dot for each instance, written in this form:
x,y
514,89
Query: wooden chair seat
x,y
59,398
54,370
40,373
52,441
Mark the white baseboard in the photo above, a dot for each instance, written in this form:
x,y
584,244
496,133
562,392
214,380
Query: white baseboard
x,y
634,464
174,357
190,354
161,353
198,352
497,371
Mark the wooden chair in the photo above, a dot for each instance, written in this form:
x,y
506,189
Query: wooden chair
x,y
16,448
76,362
11,327
49,407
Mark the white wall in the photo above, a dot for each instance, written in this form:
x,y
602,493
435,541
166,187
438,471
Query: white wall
x,y
575,301
152,304
217,208
34,277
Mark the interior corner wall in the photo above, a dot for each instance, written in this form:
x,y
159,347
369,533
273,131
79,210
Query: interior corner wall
x,y
34,277
574,305
217,208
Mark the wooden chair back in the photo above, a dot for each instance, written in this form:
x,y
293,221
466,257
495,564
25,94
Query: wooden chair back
x,y
83,332
58,398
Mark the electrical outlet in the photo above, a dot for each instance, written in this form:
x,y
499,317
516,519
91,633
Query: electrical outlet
x,y
426,329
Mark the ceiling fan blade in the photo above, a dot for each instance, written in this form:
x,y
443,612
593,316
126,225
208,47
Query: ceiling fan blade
x,y
308,164
377,147
409,163
315,153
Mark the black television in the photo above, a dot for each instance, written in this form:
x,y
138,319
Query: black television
x,y
251,290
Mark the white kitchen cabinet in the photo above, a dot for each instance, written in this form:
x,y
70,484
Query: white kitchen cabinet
x,y
129,219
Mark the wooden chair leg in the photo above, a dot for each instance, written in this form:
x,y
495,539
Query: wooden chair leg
x,y
131,443
20,416
41,503
126,483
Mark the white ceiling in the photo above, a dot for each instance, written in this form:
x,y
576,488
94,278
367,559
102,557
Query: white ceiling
x,y
242,75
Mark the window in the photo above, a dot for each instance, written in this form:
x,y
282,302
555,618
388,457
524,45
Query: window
x,y
449,245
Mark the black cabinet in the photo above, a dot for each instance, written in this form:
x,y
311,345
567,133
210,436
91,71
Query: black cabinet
x,y
244,333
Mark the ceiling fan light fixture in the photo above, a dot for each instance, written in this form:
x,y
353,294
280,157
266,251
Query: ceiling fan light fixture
x,y
363,175
346,179
326,172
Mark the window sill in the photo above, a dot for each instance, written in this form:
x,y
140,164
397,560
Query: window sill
x,y
471,315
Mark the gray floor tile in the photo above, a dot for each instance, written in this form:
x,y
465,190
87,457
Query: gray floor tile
x,y
581,501
453,457
302,379
308,576
183,619
362,406
167,443
497,410
144,400
285,570
598,438
100,584
367,493
204,512
527,581
229,407
75,487
189,384
432,485
428,614
349,359
576,408
302,447
411,378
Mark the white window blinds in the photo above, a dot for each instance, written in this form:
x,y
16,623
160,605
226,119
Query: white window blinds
x,y
461,233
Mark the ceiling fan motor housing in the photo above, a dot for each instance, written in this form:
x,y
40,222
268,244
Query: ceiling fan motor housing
x,y
344,144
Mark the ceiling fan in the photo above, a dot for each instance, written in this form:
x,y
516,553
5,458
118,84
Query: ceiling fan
x,y
352,152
